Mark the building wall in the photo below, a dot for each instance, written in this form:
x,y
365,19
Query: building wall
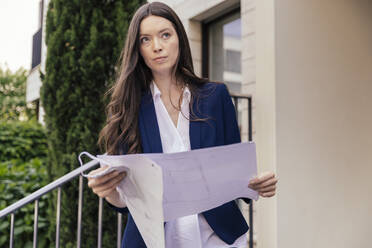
x,y
33,79
265,124
314,117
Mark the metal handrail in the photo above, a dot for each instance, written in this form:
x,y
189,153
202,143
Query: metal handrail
x,y
39,193
238,95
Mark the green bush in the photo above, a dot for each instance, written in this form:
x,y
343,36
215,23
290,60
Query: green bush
x,y
13,105
22,171
84,40
22,140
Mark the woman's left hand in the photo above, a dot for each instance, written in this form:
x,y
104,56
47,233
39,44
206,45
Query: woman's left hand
x,y
265,184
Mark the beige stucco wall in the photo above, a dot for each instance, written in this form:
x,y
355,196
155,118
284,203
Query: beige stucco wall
x,y
316,94
265,124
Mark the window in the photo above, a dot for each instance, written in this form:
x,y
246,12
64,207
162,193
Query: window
x,y
222,50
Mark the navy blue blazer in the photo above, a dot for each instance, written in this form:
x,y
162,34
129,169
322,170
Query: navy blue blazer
x,y
220,128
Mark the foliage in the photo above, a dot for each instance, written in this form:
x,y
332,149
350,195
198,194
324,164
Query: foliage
x,y
13,104
22,140
84,40
23,150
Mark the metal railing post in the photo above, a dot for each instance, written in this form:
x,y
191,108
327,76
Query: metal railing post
x,y
250,128
58,216
36,216
100,203
250,138
11,230
80,209
119,230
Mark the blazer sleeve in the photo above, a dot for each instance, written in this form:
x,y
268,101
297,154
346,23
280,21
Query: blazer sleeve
x,y
231,128
120,210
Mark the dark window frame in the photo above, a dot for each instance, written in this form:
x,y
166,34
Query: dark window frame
x,y
205,38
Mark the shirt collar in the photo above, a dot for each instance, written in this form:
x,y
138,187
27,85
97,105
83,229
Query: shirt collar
x,y
156,93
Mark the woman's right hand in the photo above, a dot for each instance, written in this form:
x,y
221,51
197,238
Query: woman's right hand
x,y
105,186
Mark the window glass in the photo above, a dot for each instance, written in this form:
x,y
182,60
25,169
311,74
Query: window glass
x,y
224,37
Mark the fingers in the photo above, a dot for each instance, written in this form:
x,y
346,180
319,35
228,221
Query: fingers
x,y
268,194
108,185
268,189
107,192
259,186
265,184
93,172
262,178
108,188
105,185
93,182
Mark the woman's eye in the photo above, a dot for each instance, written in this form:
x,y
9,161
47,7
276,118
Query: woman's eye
x,y
166,35
144,40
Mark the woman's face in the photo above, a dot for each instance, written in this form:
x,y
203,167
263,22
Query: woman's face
x,y
158,44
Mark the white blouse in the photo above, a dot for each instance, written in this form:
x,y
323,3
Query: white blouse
x,y
191,231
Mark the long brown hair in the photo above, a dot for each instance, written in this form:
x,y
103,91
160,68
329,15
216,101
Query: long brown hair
x,y
121,130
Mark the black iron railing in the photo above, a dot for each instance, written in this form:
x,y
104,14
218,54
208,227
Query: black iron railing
x,y
239,100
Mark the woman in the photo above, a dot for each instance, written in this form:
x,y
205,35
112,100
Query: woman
x,y
158,104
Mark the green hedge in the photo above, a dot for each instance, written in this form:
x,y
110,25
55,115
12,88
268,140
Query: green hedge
x,y
23,150
13,105
22,140
84,40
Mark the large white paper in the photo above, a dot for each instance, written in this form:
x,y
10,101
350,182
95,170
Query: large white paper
x,y
163,187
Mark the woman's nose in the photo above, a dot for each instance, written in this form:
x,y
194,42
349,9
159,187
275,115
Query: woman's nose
x,y
156,45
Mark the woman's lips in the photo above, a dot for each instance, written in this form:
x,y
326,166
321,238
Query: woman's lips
x,y
160,59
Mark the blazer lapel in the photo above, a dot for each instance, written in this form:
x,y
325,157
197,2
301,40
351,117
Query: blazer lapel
x,y
149,129
195,129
